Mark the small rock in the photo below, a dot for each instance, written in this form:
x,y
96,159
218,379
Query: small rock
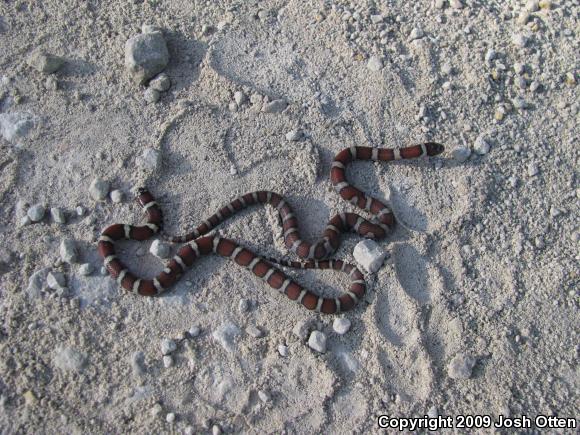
x,y
532,6
254,331
146,55
294,135
481,146
432,412
545,4
519,68
160,83
36,212
554,212
29,398
67,358
461,154
55,280
138,363
533,169
243,305
439,4
461,367
86,269
216,430
264,397
275,106
168,346
240,98
149,159
99,189
156,410
167,361
151,95
513,180
375,63
523,18
189,430
57,215
376,19
170,418
194,331
369,255
341,325
456,4
116,196
570,79
149,28
15,125
80,211
416,33
283,350
519,40
226,334
317,341
68,251
160,249
44,62
25,220
302,328
490,55
539,242
534,86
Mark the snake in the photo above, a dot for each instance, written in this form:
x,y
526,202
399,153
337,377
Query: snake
x,y
202,242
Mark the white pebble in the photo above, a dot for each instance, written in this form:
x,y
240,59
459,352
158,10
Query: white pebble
x,y
264,397
518,68
167,361
156,410
99,189
216,430
375,63
461,367
416,33
532,6
194,331
317,341
189,430
116,196
490,55
36,212
44,62
80,211
533,169
168,346
294,135
519,40
86,269
376,19
240,98
254,331
149,159
151,95
244,305
275,106
341,325
369,255
534,86
55,280
481,146
461,154
25,220
160,83
233,170
513,180
159,249
283,350
170,418
68,251
519,103
432,412
456,4
57,215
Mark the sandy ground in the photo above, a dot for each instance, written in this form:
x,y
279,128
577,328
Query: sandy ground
x,y
476,312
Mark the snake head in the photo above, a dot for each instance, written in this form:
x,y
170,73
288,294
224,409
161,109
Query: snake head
x,y
434,148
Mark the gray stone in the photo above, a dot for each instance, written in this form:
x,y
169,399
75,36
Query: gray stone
x,y
369,255
283,350
138,363
254,331
240,98
15,125
36,282
294,135
317,341
275,106
69,359
160,83
86,269
168,346
167,361
194,331
57,215
481,146
151,95
341,325
375,63
116,196
146,55
461,154
226,334
68,251
461,367
416,33
99,189
36,212
55,280
160,249
44,62
150,159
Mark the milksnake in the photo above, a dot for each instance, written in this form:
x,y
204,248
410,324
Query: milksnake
x,y
198,243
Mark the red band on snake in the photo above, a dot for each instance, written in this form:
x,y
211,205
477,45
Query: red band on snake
x,y
315,254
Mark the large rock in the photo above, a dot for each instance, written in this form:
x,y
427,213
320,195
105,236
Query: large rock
x,y
146,55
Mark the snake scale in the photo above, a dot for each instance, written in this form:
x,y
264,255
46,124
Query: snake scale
x,y
198,243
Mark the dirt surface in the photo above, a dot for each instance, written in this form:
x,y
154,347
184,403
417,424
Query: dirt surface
x,y
475,312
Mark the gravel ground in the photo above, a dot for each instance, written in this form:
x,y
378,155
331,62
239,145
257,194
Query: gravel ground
x,y
474,312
